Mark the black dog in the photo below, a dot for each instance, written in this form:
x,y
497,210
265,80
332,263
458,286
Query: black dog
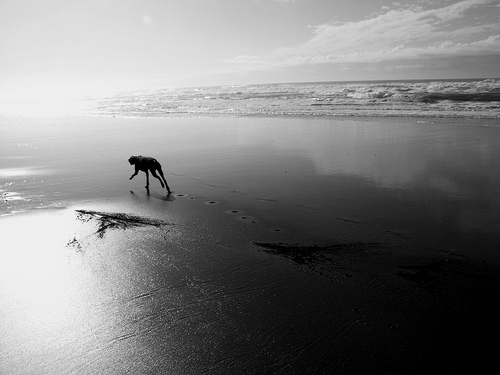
x,y
145,164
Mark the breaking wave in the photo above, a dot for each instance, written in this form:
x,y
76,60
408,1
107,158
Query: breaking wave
x,y
444,98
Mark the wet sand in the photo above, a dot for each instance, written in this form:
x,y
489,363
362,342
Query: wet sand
x,y
287,246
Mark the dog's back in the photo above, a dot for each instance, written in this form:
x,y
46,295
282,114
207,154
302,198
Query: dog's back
x,y
144,162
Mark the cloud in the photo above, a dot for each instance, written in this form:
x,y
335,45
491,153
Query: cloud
x,y
468,27
148,20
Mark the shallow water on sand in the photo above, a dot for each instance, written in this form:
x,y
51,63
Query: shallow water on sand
x,y
194,294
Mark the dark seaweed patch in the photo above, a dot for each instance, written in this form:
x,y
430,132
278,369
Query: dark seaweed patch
x,y
116,220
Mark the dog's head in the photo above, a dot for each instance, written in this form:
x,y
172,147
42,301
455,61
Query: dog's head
x,y
133,159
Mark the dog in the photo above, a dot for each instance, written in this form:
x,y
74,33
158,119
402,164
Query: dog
x,y
148,164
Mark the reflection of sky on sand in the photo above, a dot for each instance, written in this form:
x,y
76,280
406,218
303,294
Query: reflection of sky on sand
x,y
449,170
393,154
361,149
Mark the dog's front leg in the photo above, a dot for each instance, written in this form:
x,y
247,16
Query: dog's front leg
x,y
135,173
147,179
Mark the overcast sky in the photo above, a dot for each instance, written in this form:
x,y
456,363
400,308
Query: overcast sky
x,y
66,47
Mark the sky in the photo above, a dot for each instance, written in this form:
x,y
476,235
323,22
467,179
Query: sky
x,y
66,48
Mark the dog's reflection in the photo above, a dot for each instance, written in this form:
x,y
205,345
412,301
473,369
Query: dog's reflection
x,y
167,198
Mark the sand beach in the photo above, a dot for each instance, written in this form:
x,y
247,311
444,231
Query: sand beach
x,y
288,245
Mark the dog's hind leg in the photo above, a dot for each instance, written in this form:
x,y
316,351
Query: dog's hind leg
x,y
162,176
147,179
153,172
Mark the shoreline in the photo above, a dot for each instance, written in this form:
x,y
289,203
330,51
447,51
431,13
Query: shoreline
x,y
334,116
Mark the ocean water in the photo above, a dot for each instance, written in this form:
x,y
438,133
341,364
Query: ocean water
x,y
417,98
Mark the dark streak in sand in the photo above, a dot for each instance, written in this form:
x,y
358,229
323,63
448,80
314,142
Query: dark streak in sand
x,y
308,208
267,200
304,254
345,220
329,261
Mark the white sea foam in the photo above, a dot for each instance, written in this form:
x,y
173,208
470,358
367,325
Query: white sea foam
x,y
457,98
